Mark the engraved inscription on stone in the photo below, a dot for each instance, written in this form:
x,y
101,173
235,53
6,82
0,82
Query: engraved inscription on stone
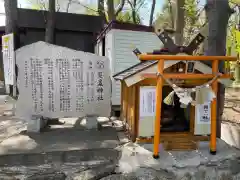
x,y
51,100
26,74
77,69
90,82
37,84
100,67
64,78
62,82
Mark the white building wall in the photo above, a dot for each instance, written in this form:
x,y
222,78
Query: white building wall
x,y
124,41
2,13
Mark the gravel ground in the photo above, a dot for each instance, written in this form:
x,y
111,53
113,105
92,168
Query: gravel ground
x,y
225,169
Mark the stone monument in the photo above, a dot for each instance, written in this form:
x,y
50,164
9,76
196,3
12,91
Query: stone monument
x,y
57,82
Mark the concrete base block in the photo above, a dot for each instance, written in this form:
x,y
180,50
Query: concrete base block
x,y
35,124
91,122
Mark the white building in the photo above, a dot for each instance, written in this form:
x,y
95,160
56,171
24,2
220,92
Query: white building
x,y
117,41
2,13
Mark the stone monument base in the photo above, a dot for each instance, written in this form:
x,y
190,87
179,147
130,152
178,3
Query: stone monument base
x,y
35,124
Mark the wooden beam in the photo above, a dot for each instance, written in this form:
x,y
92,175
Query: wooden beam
x,y
174,137
125,103
128,106
192,119
133,114
187,76
158,111
122,101
137,107
213,137
185,58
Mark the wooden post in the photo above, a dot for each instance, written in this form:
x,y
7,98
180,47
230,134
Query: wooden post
x,y
213,139
133,114
158,110
122,101
125,103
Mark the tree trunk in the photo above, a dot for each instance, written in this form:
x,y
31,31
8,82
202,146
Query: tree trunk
x,y
50,38
101,10
152,13
68,5
50,34
171,13
134,18
134,14
218,13
11,14
111,11
179,21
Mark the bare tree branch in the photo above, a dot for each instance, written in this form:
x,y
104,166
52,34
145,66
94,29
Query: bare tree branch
x,y
58,6
101,11
120,8
171,13
134,4
152,12
42,5
83,5
130,3
68,5
44,8
133,7
110,10
140,5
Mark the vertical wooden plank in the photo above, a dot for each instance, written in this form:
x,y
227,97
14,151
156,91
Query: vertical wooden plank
x,y
122,100
137,107
125,102
129,108
192,119
133,113
213,137
158,110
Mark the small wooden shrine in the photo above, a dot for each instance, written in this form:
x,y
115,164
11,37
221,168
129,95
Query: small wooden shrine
x,y
169,97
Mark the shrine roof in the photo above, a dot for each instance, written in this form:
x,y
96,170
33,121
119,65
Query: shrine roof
x,y
130,72
123,26
133,69
141,66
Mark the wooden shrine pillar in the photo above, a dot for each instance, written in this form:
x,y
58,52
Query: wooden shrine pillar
x,y
213,138
158,110
161,58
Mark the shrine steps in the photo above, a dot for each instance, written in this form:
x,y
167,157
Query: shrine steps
x,y
177,141
180,145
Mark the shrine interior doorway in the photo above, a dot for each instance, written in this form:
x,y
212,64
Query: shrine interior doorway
x,y
174,118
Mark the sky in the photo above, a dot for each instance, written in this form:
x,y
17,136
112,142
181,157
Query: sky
x,y
144,12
